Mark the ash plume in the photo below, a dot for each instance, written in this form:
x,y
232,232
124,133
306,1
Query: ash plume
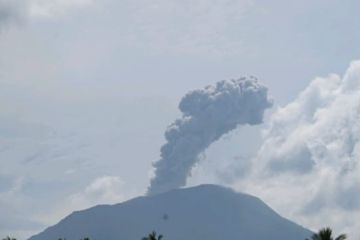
x,y
208,114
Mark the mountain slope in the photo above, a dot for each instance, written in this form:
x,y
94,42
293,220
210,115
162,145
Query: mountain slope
x,y
204,212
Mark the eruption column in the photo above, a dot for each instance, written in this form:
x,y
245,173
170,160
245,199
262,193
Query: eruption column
x,y
208,114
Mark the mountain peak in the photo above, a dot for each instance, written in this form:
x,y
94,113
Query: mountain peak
x,y
201,212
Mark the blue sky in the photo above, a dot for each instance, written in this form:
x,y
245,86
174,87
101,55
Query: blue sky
x,y
88,88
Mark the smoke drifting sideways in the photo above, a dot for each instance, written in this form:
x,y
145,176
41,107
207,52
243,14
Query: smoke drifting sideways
x,y
208,114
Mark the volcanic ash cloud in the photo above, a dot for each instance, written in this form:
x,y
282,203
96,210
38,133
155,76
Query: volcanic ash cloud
x,y
208,114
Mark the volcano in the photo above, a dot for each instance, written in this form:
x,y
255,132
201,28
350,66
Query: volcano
x,y
203,212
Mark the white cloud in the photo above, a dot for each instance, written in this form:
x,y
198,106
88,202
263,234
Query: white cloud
x,y
16,11
13,204
54,8
103,190
311,153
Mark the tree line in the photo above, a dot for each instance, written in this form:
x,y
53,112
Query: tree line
x,y
322,234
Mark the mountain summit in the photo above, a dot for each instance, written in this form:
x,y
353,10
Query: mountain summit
x,y
204,212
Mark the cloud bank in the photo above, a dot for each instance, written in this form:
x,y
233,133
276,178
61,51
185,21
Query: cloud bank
x,y
208,114
311,153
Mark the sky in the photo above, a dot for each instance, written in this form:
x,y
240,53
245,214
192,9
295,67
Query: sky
x,y
88,88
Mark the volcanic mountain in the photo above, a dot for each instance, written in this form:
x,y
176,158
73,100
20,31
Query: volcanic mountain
x,y
204,212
